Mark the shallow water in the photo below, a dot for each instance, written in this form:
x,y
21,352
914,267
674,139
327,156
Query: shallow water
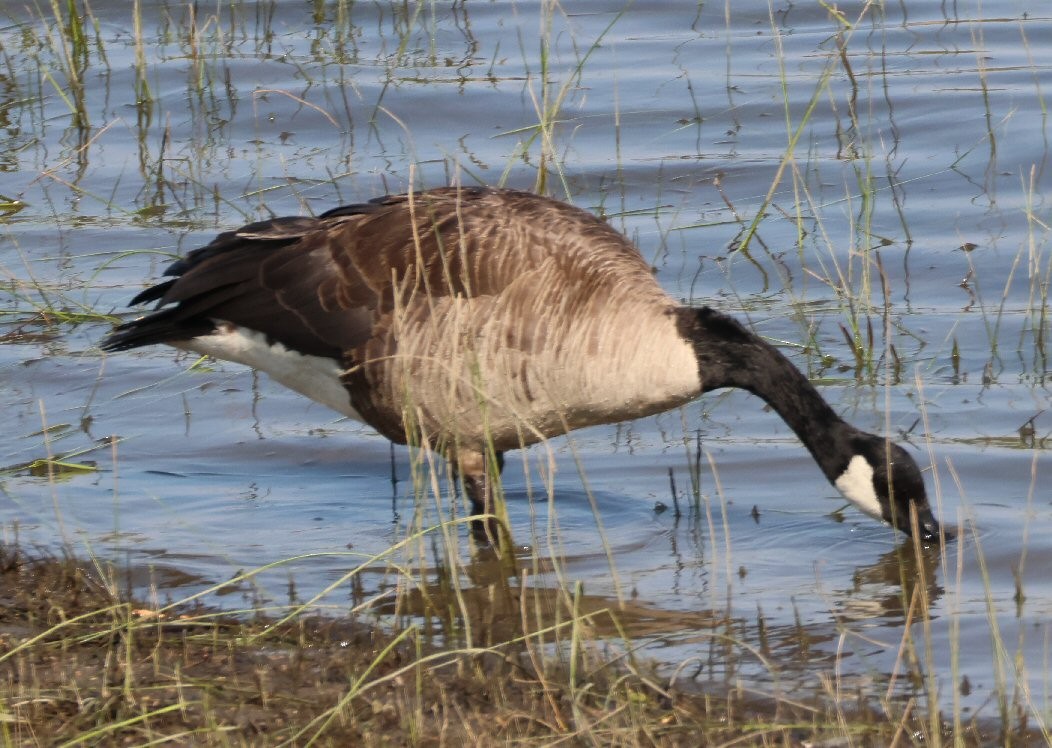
x,y
925,151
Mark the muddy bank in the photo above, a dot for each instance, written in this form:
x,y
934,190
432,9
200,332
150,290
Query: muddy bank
x,y
81,664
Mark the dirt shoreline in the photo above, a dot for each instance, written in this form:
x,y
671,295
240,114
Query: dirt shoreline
x,y
80,665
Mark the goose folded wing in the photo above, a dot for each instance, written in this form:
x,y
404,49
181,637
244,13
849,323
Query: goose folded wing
x,y
276,277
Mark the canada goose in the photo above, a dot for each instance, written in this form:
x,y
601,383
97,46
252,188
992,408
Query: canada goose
x,y
478,320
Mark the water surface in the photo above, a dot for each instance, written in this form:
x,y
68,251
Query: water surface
x,y
898,160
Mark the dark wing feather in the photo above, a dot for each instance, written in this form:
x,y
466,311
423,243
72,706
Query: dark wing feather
x,y
226,281
321,285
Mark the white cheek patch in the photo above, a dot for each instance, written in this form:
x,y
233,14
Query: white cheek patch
x,y
856,483
316,377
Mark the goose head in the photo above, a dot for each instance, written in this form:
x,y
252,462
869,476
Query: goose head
x,y
884,481
872,472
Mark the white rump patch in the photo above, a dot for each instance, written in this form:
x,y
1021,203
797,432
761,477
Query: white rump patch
x,y
316,377
856,483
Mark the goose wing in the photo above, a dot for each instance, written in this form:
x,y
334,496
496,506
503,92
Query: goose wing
x,y
320,286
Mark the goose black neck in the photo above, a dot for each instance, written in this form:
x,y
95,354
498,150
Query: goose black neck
x,y
731,356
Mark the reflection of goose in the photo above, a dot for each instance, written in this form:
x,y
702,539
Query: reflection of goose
x,y
883,591
480,320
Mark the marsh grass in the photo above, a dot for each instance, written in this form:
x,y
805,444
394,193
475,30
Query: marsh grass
x,y
851,283
868,332
417,661
446,648
436,641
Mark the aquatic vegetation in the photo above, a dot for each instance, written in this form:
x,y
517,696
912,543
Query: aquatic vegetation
x,y
868,187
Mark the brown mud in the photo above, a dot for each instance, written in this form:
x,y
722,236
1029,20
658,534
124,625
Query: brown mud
x,y
82,665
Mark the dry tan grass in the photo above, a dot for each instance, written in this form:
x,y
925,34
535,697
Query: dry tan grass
x,y
81,667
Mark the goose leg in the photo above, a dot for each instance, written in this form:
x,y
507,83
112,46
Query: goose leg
x,y
479,485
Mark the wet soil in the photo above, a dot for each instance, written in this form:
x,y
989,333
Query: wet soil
x,y
80,664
